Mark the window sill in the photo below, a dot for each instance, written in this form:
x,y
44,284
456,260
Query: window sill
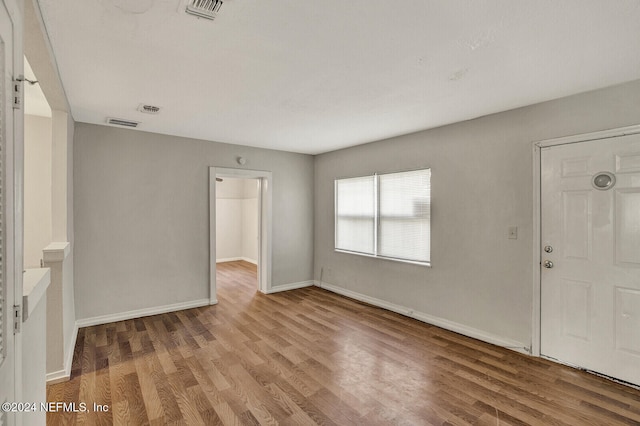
x,y
412,262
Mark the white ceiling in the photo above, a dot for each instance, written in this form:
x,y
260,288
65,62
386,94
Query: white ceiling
x,y
315,76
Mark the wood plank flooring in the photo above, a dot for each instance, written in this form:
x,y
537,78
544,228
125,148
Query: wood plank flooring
x,y
308,357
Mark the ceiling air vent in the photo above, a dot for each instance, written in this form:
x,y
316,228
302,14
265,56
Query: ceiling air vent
x,y
148,109
121,122
204,8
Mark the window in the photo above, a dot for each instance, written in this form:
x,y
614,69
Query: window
x,y
385,215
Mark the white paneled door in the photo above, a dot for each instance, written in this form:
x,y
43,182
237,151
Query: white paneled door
x,y
7,289
590,269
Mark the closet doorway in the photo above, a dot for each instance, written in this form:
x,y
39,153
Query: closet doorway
x,y
240,228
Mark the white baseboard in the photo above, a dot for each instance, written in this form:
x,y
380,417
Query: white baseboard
x,y
235,259
429,319
64,374
228,259
58,377
71,349
121,316
292,286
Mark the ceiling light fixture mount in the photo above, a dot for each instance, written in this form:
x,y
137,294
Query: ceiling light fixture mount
x,y
149,109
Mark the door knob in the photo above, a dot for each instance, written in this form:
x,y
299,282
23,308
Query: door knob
x,y
547,264
548,249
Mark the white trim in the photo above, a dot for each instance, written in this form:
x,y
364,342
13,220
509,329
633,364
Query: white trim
x,y
65,374
71,349
291,286
537,214
429,319
235,259
228,259
13,204
535,304
56,252
58,377
265,196
585,137
121,316
377,256
212,235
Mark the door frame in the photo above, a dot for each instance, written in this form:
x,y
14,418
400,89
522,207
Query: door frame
x,y
265,196
13,165
12,208
538,146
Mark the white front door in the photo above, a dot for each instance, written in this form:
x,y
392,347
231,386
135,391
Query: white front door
x,y
590,271
8,369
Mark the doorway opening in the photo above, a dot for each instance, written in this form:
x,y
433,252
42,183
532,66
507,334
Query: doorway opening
x,y
237,233
38,159
239,227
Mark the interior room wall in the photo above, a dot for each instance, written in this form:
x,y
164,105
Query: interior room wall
x,y
482,183
229,211
237,220
250,221
37,188
141,217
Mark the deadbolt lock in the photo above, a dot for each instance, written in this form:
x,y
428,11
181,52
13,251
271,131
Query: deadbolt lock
x,y
548,249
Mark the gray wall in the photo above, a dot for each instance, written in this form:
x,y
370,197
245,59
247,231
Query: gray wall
x,y
141,217
481,184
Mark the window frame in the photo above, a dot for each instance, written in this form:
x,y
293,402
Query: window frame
x,y
376,183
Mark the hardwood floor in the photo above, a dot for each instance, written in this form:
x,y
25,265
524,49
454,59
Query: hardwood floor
x,y
308,357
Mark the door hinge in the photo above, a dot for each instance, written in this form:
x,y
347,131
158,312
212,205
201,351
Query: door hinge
x,y
17,92
17,319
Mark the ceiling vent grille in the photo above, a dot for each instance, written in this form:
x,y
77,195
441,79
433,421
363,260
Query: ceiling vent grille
x,y
148,109
121,122
204,8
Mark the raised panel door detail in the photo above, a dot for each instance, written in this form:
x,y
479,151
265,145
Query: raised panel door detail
x,y
628,163
576,211
572,167
627,232
628,320
577,309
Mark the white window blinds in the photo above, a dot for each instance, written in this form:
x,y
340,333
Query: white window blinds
x,y
355,214
404,215
386,215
